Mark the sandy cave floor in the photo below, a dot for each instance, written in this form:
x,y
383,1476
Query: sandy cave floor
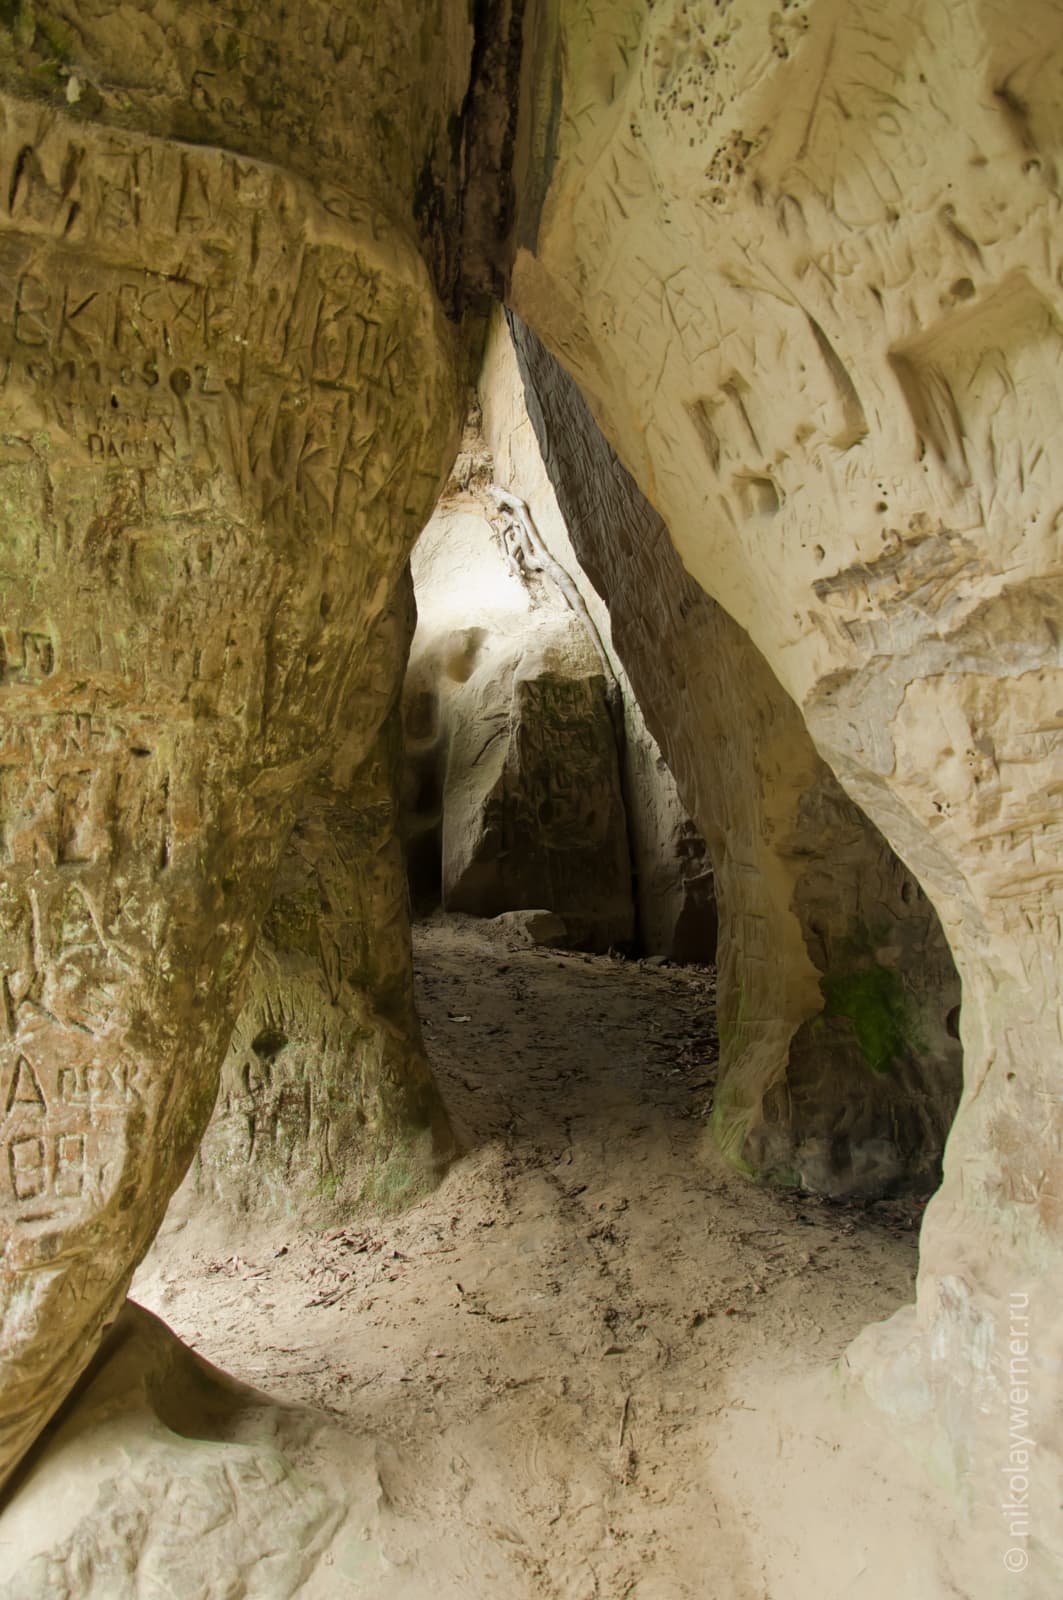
x,y
550,1352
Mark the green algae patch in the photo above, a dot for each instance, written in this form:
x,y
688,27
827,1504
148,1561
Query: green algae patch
x,y
399,1176
873,998
729,1124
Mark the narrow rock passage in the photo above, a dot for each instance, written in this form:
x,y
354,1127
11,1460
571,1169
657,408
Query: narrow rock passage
x,y
541,1364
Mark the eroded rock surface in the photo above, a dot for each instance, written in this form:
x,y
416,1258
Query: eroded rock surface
x,y
514,798
363,104
162,1473
674,890
326,1100
214,458
805,264
835,987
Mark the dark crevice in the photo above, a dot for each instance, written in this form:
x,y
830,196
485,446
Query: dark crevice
x,y
465,200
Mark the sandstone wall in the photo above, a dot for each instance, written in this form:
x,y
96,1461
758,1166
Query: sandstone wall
x,y
674,888
167,1473
364,104
326,1101
835,986
224,412
805,265
513,795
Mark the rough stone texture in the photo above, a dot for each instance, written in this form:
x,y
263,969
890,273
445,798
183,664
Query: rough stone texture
x,y
365,104
543,824
805,264
835,986
674,889
678,914
513,790
326,1100
223,416
163,1476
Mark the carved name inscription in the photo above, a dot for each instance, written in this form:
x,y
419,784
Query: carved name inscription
x,y
163,305
210,476
60,1127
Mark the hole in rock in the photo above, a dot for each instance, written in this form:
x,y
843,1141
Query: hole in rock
x,y
269,1043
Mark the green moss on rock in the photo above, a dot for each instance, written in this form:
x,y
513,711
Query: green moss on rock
x,y
873,998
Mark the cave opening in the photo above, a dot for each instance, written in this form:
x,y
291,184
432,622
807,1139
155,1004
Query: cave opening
x,y
550,1336
490,1204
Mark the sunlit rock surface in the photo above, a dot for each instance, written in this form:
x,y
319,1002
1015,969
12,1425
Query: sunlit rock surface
x,y
835,989
805,265
514,796
674,890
